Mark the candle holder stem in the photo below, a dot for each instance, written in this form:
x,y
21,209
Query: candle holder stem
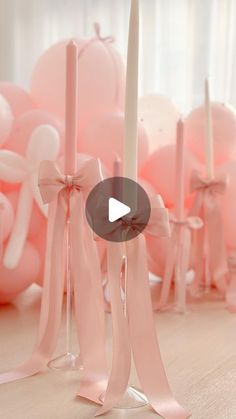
x,y
133,397
180,283
68,361
207,271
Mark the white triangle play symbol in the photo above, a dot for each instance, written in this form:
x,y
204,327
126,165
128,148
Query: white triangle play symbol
x,y
116,210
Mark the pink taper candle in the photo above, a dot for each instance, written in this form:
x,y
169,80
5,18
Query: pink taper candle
x,y
179,200
71,107
180,284
70,168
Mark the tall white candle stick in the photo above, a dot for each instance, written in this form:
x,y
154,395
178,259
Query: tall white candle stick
x,y
209,148
131,101
131,106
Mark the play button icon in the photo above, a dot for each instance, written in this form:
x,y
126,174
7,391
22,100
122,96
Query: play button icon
x,y
116,210
113,213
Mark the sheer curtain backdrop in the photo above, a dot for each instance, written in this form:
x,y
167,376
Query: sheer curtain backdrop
x,y
182,41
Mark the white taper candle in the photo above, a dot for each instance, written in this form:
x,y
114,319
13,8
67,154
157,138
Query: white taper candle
x,y
131,101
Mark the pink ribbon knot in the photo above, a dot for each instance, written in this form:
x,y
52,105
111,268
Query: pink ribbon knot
x,y
178,259
69,182
134,328
209,244
65,195
211,186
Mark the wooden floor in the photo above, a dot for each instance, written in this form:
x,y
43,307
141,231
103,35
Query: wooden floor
x,y
199,351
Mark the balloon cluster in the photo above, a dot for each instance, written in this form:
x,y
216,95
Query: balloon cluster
x,y
28,135
32,129
159,170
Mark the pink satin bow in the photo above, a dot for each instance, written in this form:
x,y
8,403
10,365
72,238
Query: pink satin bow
x,y
209,244
65,195
134,328
231,288
177,263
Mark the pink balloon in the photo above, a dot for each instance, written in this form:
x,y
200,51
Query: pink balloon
x,y
37,222
18,99
37,218
228,203
6,119
25,125
150,191
9,187
6,216
100,81
15,281
103,138
224,132
159,171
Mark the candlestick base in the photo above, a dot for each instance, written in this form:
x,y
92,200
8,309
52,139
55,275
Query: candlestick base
x,y
66,362
132,399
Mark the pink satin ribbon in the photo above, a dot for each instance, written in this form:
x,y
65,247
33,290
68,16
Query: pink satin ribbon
x,y
178,259
231,288
97,29
65,195
1,229
135,330
209,244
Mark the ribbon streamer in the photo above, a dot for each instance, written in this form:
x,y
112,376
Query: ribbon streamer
x,y
177,263
209,245
135,329
231,288
43,144
2,207
65,196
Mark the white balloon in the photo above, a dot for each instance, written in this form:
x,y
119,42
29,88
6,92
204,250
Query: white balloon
x,y
44,144
159,116
6,119
13,167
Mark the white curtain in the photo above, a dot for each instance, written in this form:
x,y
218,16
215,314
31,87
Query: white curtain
x,y
183,41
